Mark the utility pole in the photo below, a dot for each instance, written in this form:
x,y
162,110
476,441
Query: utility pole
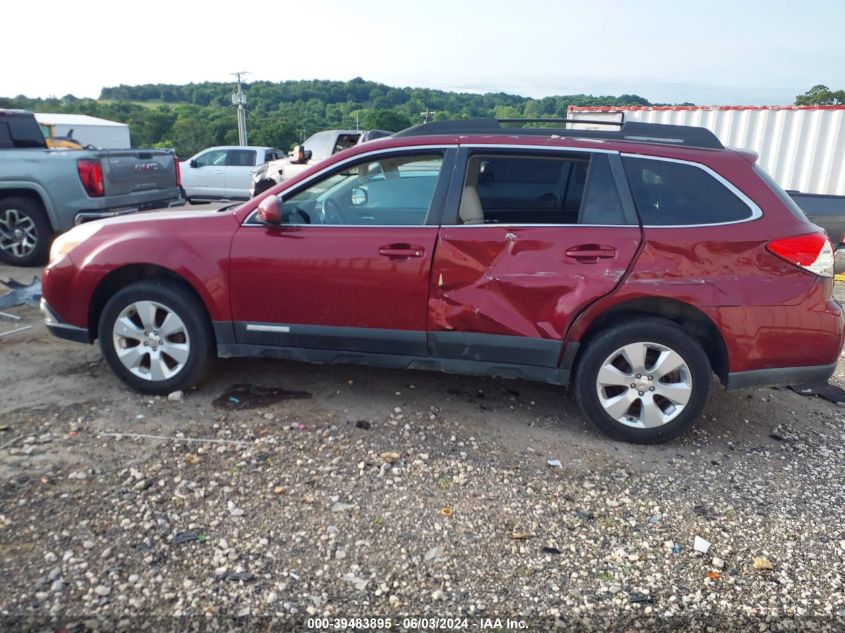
x,y
239,101
427,115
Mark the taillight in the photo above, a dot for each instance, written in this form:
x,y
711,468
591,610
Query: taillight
x,y
811,252
178,172
91,175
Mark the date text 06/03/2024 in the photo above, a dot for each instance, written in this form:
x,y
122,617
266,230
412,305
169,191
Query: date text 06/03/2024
x,y
423,623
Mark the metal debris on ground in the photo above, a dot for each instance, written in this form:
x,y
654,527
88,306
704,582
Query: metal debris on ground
x,y
16,330
185,537
21,293
145,436
825,390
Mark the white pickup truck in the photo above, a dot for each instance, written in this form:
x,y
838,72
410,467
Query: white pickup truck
x,y
317,147
224,172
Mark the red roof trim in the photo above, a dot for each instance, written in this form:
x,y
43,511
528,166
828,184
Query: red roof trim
x,y
573,108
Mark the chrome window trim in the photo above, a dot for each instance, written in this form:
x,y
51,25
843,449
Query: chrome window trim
x,y
248,221
756,211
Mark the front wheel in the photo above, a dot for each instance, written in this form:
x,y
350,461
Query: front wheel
x,y
156,337
644,381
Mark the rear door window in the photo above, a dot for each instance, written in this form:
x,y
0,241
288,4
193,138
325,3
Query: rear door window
x,y
669,193
240,158
540,189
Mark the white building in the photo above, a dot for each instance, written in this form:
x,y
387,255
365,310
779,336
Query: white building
x,y
88,130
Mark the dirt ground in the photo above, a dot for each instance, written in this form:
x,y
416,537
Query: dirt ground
x,y
348,488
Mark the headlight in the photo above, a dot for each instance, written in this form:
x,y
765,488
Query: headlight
x,y
66,242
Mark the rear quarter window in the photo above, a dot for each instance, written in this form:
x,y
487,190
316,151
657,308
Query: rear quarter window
x,y
669,193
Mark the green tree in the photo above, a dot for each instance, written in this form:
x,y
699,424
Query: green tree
x,y
384,120
821,95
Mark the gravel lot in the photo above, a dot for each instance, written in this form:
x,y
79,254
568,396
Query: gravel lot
x,y
352,492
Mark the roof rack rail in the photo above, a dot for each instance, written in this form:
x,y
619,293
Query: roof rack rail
x,y
682,135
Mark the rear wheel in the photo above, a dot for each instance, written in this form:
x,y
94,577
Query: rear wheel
x,y
644,381
156,337
24,232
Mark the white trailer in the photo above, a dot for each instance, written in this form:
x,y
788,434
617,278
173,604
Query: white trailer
x,y
88,130
802,147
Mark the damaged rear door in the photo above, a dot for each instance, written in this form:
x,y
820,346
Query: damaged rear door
x,y
530,238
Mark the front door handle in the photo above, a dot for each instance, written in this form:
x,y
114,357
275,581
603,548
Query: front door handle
x,y
401,251
591,253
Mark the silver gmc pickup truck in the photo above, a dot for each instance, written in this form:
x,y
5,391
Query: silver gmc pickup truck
x,y
44,192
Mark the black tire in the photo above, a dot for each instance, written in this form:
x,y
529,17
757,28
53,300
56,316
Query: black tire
x,y
25,232
185,196
263,185
655,336
195,334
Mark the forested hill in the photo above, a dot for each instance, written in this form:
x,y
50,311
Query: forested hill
x,y
193,116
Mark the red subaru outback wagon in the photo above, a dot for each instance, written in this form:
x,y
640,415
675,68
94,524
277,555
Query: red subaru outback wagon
x,y
632,264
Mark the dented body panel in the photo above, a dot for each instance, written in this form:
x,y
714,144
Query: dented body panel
x,y
520,281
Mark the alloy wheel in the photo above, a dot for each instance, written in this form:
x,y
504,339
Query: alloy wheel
x,y
18,234
151,340
644,385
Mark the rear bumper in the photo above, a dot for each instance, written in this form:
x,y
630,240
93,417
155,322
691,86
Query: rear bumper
x,y
87,216
779,376
61,329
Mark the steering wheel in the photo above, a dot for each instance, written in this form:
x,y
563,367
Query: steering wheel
x,y
306,219
330,211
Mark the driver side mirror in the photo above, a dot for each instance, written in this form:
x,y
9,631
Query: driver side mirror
x,y
270,211
193,163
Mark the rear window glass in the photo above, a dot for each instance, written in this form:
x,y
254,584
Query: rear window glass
x,y
675,194
20,132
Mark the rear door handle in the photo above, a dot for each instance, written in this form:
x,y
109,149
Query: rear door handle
x,y
591,253
401,251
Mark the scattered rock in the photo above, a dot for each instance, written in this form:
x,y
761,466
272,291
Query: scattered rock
x,y
102,590
359,583
763,563
701,545
434,552
175,396
390,456
342,507
363,424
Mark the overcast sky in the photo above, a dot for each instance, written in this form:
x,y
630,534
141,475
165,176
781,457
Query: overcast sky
x,y
749,52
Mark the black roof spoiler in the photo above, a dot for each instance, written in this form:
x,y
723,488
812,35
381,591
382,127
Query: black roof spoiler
x,y
682,135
